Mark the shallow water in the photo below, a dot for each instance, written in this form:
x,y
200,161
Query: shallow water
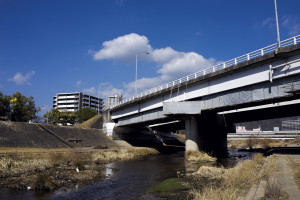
x,y
125,180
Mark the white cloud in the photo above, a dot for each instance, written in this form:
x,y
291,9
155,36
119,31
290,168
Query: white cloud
x,y
91,91
171,64
123,48
141,85
164,55
21,79
106,89
184,64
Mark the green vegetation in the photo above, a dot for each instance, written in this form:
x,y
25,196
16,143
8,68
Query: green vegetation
x,y
56,116
169,187
17,107
84,114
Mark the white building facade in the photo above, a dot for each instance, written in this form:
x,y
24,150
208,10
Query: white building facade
x,y
76,100
113,100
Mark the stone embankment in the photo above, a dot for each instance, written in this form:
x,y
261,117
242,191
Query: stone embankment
x,y
19,134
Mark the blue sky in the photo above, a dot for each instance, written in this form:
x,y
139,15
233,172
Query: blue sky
x,y
54,46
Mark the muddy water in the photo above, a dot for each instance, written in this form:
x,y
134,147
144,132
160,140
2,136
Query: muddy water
x,y
125,180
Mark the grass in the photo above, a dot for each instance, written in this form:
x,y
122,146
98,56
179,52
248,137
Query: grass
x,y
274,192
198,156
173,188
15,161
23,164
167,186
256,143
295,141
31,150
122,154
218,183
88,123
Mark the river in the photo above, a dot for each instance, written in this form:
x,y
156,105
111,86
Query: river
x,y
125,180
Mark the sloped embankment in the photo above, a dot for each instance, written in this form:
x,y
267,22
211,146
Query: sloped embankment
x,y
19,134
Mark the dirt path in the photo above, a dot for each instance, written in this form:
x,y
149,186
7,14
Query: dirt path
x,y
285,176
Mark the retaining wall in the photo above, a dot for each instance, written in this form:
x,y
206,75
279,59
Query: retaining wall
x,y
20,134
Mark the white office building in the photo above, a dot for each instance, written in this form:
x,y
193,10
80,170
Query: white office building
x,y
76,100
113,100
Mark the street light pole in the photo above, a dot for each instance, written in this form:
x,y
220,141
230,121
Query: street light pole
x,y
277,24
135,91
136,69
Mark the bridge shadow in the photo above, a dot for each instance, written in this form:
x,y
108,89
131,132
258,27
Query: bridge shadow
x,y
164,143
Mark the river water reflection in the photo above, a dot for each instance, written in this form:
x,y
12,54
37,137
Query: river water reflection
x,y
125,180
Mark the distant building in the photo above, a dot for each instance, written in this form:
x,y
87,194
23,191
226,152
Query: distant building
x,y
240,129
76,100
291,125
113,100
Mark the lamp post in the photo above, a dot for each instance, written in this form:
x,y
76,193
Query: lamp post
x,y
277,24
47,112
136,69
135,74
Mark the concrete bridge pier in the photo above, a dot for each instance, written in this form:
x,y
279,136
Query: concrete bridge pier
x,y
206,132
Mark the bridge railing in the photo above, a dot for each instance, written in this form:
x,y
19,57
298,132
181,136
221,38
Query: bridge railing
x,y
258,53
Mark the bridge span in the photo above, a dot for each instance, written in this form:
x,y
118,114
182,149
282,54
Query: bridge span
x,y
263,84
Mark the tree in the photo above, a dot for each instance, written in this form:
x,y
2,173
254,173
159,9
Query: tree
x,y
4,105
56,116
85,114
18,107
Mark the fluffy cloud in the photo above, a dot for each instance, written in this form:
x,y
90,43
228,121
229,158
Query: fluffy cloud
x,y
123,47
184,64
21,79
165,55
171,64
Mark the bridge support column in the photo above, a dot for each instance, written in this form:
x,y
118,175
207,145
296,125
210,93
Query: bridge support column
x,y
206,132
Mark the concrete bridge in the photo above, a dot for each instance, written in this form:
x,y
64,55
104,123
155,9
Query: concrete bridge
x,y
263,84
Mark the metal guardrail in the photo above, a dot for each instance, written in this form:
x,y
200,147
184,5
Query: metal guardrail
x,y
254,54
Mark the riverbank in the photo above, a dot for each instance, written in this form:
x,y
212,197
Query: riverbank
x,y
50,169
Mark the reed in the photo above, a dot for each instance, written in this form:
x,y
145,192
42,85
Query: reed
x,y
199,156
228,184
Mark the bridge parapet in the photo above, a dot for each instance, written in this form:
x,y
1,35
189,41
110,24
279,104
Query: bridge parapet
x,y
235,61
